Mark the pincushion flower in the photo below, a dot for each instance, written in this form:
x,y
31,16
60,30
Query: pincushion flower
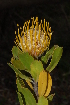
x,y
34,40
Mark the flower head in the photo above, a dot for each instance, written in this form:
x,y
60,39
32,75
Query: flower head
x,y
36,39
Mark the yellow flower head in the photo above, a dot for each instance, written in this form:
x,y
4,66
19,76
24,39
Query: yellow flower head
x,y
36,39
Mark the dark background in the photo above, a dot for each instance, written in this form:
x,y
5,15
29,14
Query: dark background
x,y
58,15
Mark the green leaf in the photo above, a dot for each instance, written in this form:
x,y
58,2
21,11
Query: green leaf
x,y
50,97
20,98
55,58
21,81
29,98
42,101
26,60
17,63
36,68
15,51
48,54
18,85
18,72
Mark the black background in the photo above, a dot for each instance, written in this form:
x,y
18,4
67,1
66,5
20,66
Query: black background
x,y
58,15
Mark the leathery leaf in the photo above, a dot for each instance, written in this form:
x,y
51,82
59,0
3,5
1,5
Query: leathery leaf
x,y
50,97
55,58
44,83
29,98
48,55
19,73
36,68
17,63
18,85
20,98
49,85
15,51
42,101
26,60
28,82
